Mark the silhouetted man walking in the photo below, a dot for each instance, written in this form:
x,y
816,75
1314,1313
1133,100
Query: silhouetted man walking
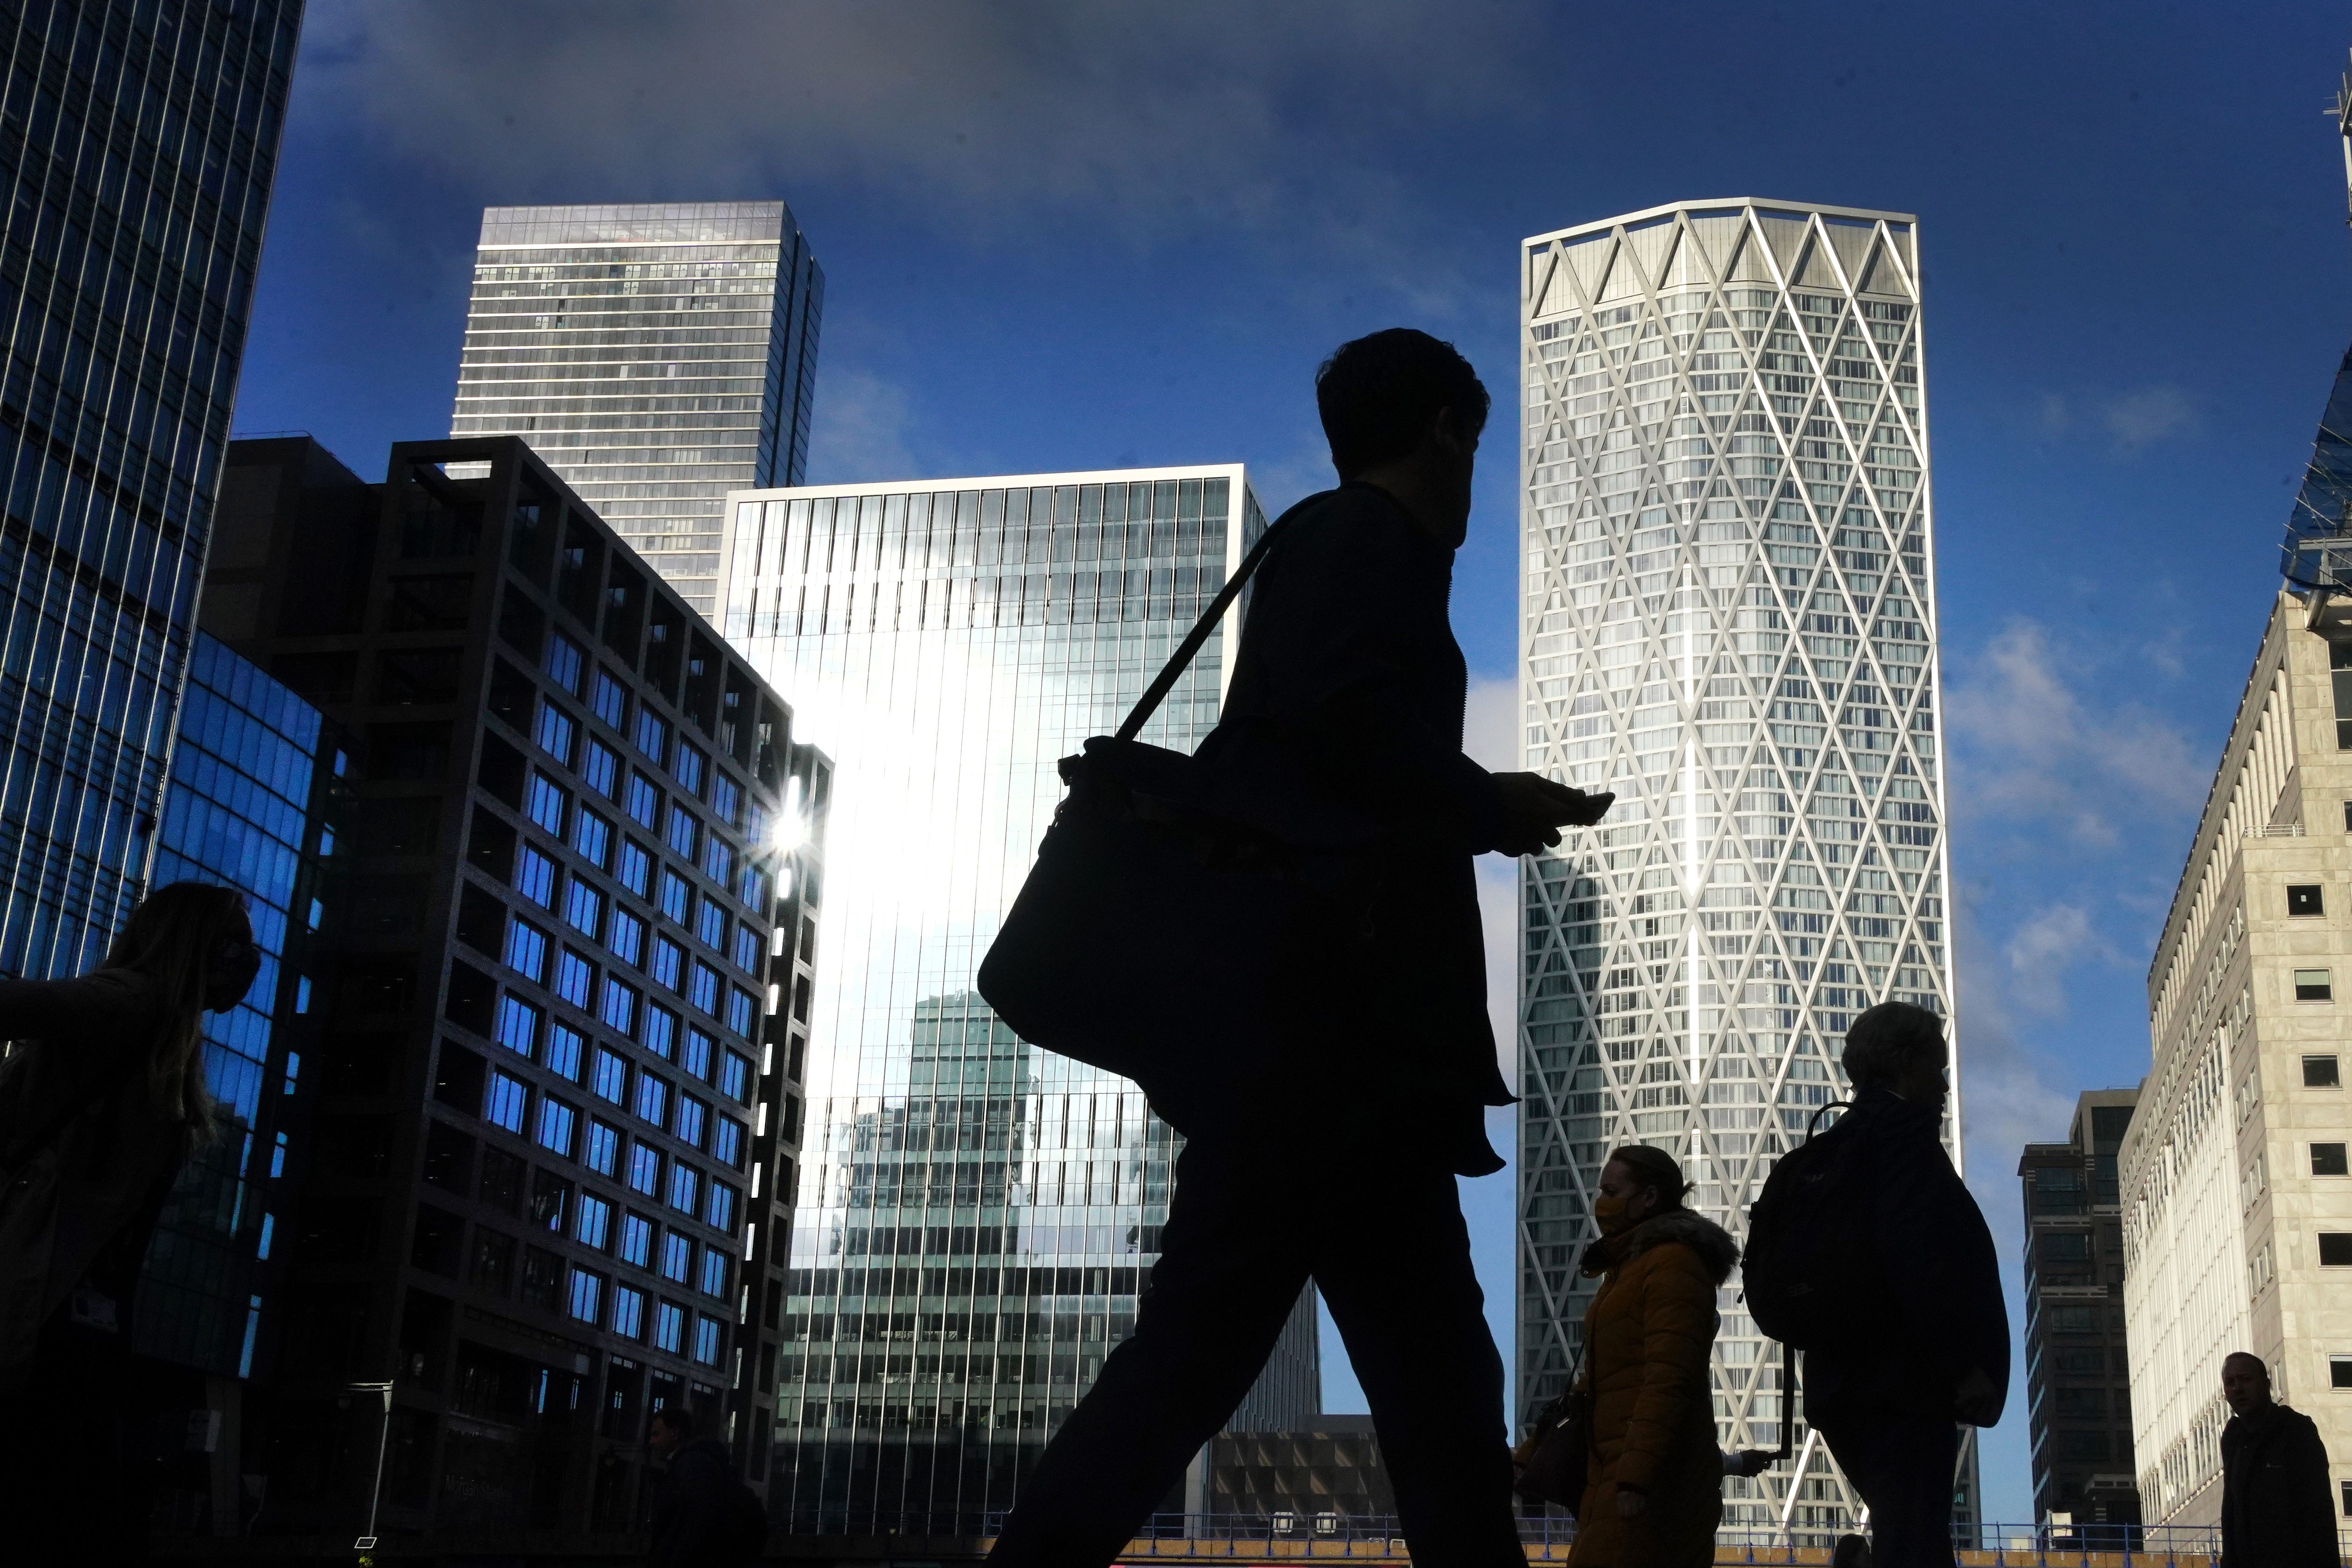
x,y
1341,738
2275,1511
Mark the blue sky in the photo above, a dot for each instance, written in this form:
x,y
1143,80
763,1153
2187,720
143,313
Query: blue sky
x,y
1061,236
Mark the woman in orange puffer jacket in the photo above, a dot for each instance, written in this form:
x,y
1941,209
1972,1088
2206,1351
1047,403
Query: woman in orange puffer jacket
x,y
1653,1494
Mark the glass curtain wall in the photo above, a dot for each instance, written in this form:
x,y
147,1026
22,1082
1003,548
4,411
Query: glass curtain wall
x,y
1728,619
655,357
139,141
975,1216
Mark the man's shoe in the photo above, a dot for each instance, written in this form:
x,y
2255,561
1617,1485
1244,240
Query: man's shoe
x,y
1852,1551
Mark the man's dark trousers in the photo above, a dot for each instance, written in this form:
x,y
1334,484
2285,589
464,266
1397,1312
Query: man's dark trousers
x,y
1252,1217
1904,1470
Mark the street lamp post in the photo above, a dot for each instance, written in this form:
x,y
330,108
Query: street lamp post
x,y
384,1442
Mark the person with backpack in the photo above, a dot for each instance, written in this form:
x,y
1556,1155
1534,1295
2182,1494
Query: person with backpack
x,y
102,1099
1654,1491
1866,1252
705,1517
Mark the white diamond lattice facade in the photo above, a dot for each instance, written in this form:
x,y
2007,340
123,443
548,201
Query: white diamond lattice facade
x,y
1728,619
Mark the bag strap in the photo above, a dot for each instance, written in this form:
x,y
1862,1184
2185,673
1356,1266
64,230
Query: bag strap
x,y
1158,690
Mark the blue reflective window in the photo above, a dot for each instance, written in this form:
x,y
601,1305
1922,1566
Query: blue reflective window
x,y
718,859
682,831
685,1187
706,1340
518,1026
726,799
602,1154
710,925
740,1010
561,660
669,1327
627,938
653,1099
526,949
727,1141
644,1170
675,895
692,1115
637,1240
618,1006
653,735
636,868
565,1046
587,1293
556,1124
719,1214
677,1257
575,979
555,731
688,768
661,1032
735,1080
592,836
644,802
546,803
747,949
628,1312
700,1053
592,1221
713,1281
753,888
702,989
583,909
505,1103
599,768
535,877
612,1081
611,700
670,962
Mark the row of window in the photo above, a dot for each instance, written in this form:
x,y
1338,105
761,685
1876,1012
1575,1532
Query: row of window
x,y
566,1130
606,696
521,1028
572,974
549,804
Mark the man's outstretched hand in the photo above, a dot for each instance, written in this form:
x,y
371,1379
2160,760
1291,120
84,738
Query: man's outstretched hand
x,y
1534,809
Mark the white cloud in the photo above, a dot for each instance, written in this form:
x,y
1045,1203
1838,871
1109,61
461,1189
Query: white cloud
x,y
1146,121
2031,750
860,430
2045,948
2150,414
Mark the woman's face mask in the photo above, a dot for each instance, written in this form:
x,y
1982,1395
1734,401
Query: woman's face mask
x,y
1608,1213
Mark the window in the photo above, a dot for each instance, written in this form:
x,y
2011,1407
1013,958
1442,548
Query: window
x,y
587,1295
535,877
2304,899
628,1312
542,1278
2339,1372
686,1187
2313,986
2335,1250
718,859
2066,1248
592,836
681,832
627,938
555,731
556,1120
702,988
653,1099
669,1327
518,1027
527,950
547,803
636,868
504,1104
610,700
692,1117
611,1077
583,909
599,768
754,888
719,1214
653,735
2327,1160
644,1170
706,1340
619,1007
565,1046
740,1010
661,1032
673,895
2320,1072
677,1257
561,660
2339,660
710,925
575,979
735,1079
603,1153
686,768
670,962
747,949
643,802
700,1049
592,1221
637,1240
713,1281
727,1141
726,800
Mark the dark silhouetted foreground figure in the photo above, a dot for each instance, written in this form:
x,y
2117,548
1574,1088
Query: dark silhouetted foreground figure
x,y
1655,1492
102,1099
1928,1345
2275,1511
1342,738
705,1516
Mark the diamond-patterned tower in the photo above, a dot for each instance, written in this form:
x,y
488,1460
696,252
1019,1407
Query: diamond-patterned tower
x,y
1728,620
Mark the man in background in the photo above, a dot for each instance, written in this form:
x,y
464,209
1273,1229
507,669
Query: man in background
x,y
2276,1512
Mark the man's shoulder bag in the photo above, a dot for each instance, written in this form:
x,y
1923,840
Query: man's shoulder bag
x,y
1144,931
1555,1460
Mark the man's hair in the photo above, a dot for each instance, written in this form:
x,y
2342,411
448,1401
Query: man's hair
x,y
678,1416
1379,394
1654,1168
2257,1363
1888,1039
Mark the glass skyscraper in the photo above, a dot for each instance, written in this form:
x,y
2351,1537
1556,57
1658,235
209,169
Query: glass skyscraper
x,y
975,1216
139,141
655,357
1728,619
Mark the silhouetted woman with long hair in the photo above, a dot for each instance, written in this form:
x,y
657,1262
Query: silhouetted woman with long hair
x,y
102,1099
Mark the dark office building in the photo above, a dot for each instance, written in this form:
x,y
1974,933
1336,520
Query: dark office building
x,y
1331,1472
138,141
557,1094
257,802
2077,1377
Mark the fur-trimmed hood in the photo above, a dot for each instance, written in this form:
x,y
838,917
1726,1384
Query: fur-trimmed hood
x,y
1713,1244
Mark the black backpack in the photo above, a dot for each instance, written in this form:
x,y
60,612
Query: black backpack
x,y
1808,1268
